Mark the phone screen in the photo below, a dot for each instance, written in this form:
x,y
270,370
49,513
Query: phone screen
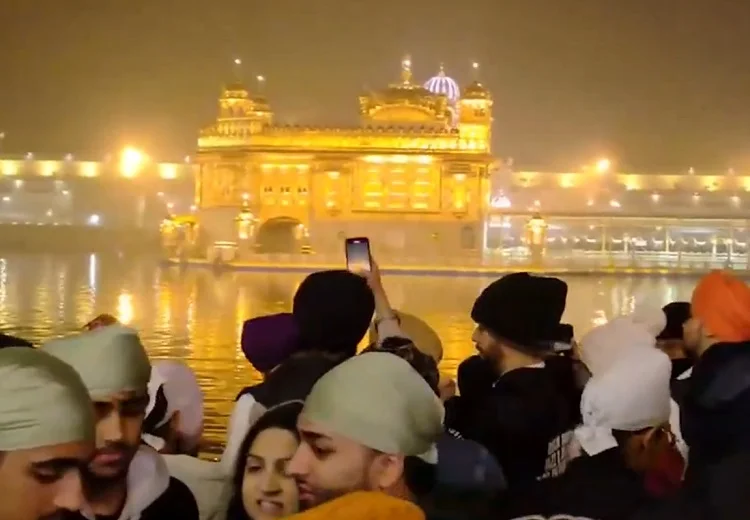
x,y
358,254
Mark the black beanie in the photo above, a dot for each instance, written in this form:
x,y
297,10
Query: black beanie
x,y
677,314
523,309
333,311
13,341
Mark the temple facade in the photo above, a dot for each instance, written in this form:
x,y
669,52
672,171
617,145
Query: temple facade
x,y
415,174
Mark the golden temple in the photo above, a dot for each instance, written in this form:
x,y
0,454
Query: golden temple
x,y
414,174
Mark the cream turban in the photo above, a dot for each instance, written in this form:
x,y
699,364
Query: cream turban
x,y
109,359
602,345
43,401
380,401
422,335
182,394
630,395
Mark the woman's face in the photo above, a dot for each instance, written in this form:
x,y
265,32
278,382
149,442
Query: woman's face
x,y
268,492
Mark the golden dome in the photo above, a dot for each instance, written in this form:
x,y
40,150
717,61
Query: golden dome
x,y
476,91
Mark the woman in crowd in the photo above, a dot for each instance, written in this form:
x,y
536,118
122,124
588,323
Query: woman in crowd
x,y
262,489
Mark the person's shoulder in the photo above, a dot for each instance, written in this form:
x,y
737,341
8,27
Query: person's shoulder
x,y
176,502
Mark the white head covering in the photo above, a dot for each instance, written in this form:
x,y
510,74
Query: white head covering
x,y
182,394
602,345
651,318
43,401
378,400
109,359
630,395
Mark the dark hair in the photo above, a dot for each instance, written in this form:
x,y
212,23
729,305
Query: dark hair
x,y
284,417
420,476
405,349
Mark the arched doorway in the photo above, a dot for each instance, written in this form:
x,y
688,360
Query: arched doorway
x,y
279,235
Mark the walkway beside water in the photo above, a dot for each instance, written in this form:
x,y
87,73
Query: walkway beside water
x,y
585,263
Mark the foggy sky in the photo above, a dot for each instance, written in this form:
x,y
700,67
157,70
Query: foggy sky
x,y
655,84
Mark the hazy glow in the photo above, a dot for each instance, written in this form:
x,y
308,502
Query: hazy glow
x,y
125,309
603,165
93,268
94,220
131,161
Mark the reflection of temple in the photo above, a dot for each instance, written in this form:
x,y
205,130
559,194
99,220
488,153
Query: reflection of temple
x,y
414,175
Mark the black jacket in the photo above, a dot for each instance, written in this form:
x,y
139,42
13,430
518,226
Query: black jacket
x,y
596,488
525,420
715,410
293,379
177,503
720,492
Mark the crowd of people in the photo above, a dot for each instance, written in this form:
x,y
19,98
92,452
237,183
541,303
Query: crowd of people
x,y
646,417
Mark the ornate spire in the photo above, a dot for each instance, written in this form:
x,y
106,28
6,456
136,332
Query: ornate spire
x,y
406,74
441,73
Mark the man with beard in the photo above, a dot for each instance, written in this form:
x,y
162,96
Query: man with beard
x,y
527,416
369,424
124,480
46,435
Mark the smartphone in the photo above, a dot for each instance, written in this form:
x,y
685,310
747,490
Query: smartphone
x,y
358,254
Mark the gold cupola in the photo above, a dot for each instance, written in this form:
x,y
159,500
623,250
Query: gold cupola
x,y
405,102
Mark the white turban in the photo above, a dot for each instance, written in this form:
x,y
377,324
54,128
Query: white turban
x,y
43,401
602,345
109,359
182,394
631,395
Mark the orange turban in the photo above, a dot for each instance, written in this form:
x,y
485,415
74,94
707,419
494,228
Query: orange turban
x,y
363,505
722,303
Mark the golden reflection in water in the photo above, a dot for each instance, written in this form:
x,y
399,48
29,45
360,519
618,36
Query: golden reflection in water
x,y
197,315
125,311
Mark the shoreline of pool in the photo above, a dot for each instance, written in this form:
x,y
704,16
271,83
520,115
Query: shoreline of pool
x,y
467,271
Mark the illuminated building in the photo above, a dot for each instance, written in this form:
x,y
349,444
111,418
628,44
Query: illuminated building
x,y
413,175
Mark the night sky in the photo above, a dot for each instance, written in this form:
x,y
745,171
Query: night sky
x,y
654,84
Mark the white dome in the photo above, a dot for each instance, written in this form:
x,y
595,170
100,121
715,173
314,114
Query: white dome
x,y
444,85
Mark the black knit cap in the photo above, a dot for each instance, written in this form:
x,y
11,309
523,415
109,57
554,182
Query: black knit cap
x,y
523,309
333,311
677,314
13,341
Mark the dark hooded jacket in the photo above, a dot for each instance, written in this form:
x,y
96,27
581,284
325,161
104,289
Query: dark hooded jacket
x,y
525,420
715,422
593,488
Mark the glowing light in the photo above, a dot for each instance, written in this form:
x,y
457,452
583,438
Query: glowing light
x,y
603,165
168,171
691,171
94,220
92,272
696,197
590,202
89,169
237,61
19,183
131,161
6,198
500,202
9,168
655,197
125,311
69,157
193,208
49,213
260,79
614,203
736,200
